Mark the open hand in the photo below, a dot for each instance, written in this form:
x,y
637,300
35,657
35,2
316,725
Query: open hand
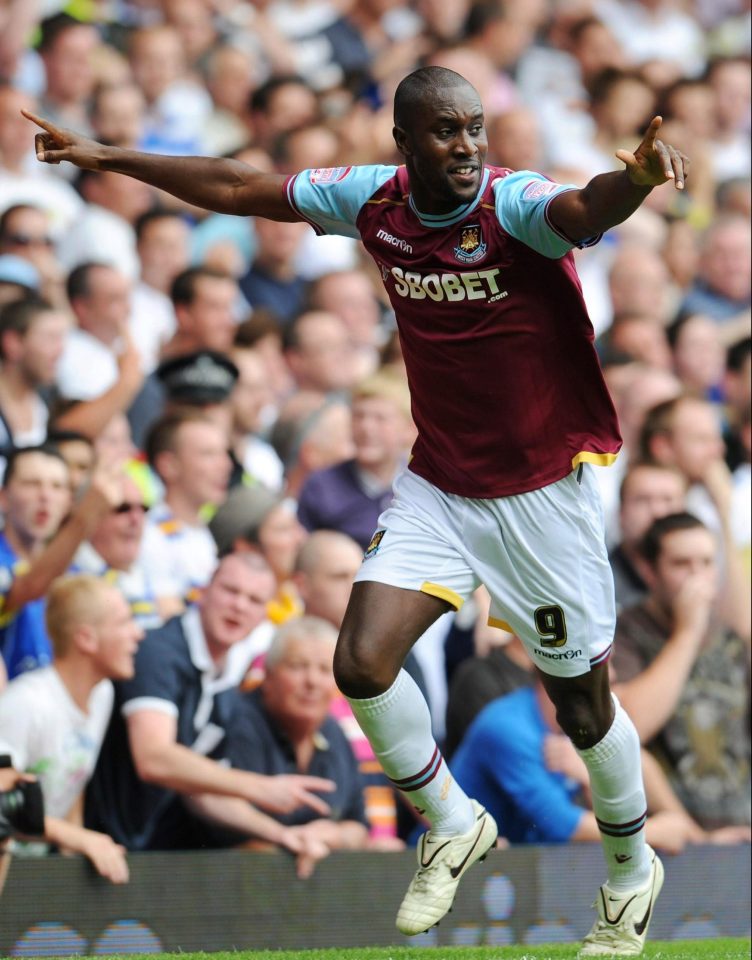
x,y
655,162
57,143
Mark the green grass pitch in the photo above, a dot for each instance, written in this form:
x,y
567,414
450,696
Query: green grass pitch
x,y
725,949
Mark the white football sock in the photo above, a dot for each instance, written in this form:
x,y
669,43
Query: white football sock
x,y
398,726
619,804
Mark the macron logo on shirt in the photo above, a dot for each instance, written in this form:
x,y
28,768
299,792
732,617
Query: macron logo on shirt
x,y
403,245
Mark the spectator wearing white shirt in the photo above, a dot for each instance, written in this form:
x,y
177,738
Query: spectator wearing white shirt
x,y
53,720
188,452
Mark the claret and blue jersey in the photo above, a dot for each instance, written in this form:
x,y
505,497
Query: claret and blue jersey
x,y
506,387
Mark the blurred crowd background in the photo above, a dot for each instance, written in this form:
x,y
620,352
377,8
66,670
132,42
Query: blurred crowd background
x,y
178,386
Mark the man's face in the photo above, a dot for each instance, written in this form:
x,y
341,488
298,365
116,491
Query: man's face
x,y
43,347
234,602
27,235
684,554
37,497
200,464
117,539
381,432
104,311
696,439
299,688
326,589
118,637
651,492
163,251
445,149
79,456
209,318
251,392
324,358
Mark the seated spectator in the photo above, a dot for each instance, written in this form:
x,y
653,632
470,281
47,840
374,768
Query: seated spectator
x,y
32,336
80,456
648,491
686,433
699,356
189,455
54,719
683,676
722,288
112,552
273,280
508,760
312,432
350,496
19,279
250,402
284,727
170,720
737,390
26,233
252,518
319,352
203,300
36,546
500,666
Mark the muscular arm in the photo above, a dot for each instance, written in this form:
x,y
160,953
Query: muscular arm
x,y
221,185
610,198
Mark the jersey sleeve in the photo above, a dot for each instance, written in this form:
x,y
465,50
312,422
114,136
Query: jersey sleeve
x,y
522,202
330,198
157,681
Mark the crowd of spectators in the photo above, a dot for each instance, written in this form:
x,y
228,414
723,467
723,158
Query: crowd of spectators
x,y
201,418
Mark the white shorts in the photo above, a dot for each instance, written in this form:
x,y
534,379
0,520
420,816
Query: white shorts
x,y
541,555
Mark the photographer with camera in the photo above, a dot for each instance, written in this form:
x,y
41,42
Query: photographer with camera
x,y
21,810
53,719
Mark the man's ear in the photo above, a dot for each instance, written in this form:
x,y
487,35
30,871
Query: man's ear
x,y
85,638
402,140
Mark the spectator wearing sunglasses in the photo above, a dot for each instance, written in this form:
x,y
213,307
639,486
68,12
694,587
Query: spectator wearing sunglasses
x,y
112,552
25,232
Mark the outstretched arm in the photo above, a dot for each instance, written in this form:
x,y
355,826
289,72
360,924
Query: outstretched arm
x,y
611,198
224,186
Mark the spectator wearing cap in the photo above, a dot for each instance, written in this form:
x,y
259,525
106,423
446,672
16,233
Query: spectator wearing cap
x,y
254,519
113,553
32,335
25,232
351,495
188,452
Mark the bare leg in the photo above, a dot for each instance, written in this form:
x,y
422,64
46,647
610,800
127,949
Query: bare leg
x,y
380,626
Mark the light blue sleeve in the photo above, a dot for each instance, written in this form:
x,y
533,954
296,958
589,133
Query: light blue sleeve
x,y
331,198
522,201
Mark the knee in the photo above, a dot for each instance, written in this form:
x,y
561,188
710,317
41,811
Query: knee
x,y
361,669
584,719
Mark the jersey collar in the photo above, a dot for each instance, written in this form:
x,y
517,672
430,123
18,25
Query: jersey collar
x,y
454,216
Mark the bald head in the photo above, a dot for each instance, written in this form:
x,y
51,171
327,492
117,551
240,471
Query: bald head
x,y
423,86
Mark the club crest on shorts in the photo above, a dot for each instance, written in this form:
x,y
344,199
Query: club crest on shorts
x,y
471,246
374,545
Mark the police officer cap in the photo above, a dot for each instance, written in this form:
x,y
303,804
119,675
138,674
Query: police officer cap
x,y
205,376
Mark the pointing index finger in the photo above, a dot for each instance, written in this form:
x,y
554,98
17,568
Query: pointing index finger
x,y
40,121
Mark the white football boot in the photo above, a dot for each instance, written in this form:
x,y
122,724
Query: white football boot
x,y
623,918
442,861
